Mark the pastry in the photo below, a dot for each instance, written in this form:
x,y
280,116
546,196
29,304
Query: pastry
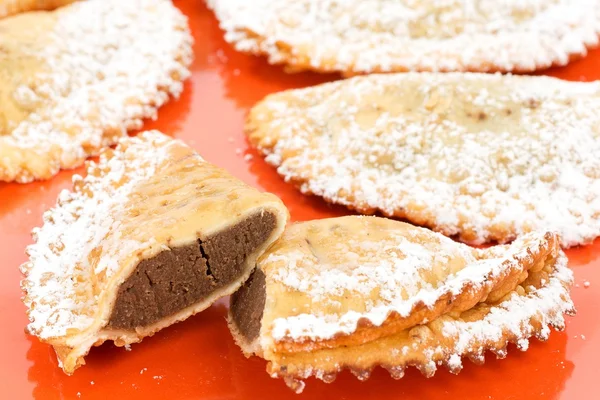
x,y
358,292
152,235
76,79
11,7
480,156
358,37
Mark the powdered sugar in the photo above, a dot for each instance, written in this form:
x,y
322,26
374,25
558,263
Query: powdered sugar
x,y
106,65
64,266
513,316
397,272
368,271
527,310
362,36
455,362
485,157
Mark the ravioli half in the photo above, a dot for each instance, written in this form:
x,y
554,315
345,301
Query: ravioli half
x,y
152,235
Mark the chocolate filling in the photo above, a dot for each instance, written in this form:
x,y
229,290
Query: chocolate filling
x,y
177,278
248,304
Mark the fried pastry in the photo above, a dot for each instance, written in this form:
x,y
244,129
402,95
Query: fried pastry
x,y
483,157
76,79
152,235
357,36
11,7
359,292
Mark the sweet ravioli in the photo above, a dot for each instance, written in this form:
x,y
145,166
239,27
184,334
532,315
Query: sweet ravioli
x,y
152,235
76,79
360,292
478,156
366,36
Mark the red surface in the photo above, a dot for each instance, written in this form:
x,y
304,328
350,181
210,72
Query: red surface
x,y
197,358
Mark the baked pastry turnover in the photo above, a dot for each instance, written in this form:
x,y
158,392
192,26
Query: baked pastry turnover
x,y
152,235
359,292
483,157
76,79
366,36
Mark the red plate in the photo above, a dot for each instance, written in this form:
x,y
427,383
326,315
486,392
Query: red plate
x,y
197,358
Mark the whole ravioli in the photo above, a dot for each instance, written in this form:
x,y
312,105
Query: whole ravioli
x,y
366,36
478,156
76,79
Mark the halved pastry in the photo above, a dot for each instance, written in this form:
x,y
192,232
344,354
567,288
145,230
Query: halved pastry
x,y
478,156
152,235
357,292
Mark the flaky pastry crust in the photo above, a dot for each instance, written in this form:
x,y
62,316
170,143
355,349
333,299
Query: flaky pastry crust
x,y
360,37
76,79
12,7
478,156
150,194
360,292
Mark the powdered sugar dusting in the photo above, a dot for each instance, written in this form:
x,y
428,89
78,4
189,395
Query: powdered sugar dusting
x,y
368,271
362,36
64,262
528,308
107,65
455,362
512,317
397,271
479,156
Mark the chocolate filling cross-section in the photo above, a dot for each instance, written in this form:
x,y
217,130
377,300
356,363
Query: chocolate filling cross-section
x,y
248,304
182,276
